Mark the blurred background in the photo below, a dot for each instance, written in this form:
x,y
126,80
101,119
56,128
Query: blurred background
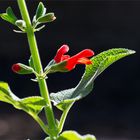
x,y
111,111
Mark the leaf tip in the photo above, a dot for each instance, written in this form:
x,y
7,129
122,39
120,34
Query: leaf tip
x,y
132,51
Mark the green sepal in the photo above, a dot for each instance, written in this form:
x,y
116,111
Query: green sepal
x,y
40,11
49,17
9,16
51,63
73,135
32,104
53,67
85,86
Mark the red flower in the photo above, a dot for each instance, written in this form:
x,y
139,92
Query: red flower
x,y
16,68
71,62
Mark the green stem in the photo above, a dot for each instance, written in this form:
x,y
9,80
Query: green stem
x,y
38,66
63,118
41,123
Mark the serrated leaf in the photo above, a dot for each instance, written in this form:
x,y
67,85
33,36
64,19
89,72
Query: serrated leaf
x,y
49,17
41,10
105,59
32,104
85,86
73,135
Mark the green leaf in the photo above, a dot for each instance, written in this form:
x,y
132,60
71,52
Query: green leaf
x,y
73,135
49,17
6,94
41,10
9,16
32,104
65,104
85,86
5,17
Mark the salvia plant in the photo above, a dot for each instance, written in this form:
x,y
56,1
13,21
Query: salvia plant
x,y
62,100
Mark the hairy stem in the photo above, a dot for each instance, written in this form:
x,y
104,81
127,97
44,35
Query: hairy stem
x,y
38,66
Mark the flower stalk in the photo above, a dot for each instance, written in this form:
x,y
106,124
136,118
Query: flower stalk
x,y
38,67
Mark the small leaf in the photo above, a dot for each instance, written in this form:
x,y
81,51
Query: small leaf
x,y
5,17
73,135
85,86
34,103
10,13
49,17
9,16
41,10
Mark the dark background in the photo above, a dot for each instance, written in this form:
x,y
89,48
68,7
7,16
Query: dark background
x,y
111,111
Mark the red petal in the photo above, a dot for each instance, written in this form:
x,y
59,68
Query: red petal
x,y
71,64
65,57
59,55
79,58
84,60
16,68
84,53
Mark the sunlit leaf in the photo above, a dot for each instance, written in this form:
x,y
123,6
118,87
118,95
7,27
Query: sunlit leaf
x,y
32,104
6,94
73,135
85,86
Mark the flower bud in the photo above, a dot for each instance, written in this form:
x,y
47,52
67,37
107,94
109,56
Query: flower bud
x,y
22,69
49,17
20,23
